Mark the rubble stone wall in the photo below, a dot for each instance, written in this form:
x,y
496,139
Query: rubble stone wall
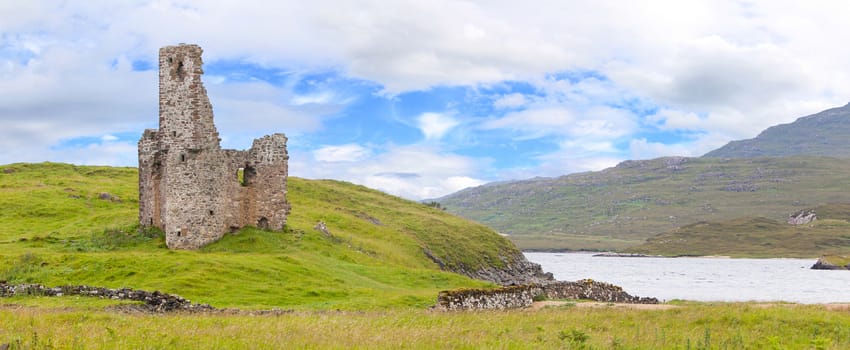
x,y
513,297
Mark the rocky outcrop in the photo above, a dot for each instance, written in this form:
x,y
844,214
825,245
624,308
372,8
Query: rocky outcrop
x,y
802,217
153,301
520,271
514,297
827,263
515,270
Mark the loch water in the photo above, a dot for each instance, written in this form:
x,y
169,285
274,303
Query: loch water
x,y
704,279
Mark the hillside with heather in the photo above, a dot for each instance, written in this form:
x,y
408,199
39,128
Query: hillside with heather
x,y
622,206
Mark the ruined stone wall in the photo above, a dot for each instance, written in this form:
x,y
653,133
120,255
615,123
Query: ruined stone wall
x,y
513,297
188,185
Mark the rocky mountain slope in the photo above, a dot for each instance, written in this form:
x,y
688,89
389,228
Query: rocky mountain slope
x,y
823,134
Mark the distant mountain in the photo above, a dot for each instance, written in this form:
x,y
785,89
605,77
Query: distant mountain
x,y
786,168
823,134
620,207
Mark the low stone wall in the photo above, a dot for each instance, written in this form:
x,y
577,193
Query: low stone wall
x,y
592,290
514,297
487,299
154,301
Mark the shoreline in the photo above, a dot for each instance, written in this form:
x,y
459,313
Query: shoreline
x,y
612,254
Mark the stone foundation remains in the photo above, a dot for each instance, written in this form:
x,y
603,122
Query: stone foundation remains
x,y
188,186
154,301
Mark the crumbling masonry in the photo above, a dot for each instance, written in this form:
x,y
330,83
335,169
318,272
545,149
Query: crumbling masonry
x,y
188,186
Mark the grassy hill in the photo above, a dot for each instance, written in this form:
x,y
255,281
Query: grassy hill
x,y
822,134
66,224
621,207
758,237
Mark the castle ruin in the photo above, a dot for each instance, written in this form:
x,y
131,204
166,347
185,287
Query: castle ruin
x,y
188,186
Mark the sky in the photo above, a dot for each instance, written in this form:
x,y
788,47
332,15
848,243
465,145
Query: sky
x,y
424,98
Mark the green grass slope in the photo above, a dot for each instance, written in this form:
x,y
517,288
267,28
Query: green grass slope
x,y
758,237
622,206
56,228
823,134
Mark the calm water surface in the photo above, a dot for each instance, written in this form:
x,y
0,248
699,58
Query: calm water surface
x,y
705,279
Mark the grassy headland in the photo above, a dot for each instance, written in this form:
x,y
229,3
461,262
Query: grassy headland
x,y
58,226
758,237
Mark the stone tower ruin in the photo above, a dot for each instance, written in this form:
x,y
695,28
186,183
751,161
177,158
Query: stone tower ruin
x,y
188,186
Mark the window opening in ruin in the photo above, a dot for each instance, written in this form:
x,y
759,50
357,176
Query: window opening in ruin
x,y
178,233
263,223
246,175
182,157
180,72
174,134
211,212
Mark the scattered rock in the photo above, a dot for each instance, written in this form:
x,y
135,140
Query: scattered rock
x,y
741,187
5,346
823,263
368,218
108,197
8,171
321,227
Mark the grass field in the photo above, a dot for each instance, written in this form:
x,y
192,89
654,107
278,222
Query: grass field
x,y
691,326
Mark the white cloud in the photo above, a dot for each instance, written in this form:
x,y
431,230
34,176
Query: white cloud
x,y
435,125
721,69
510,101
593,123
341,153
413,172
668,119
